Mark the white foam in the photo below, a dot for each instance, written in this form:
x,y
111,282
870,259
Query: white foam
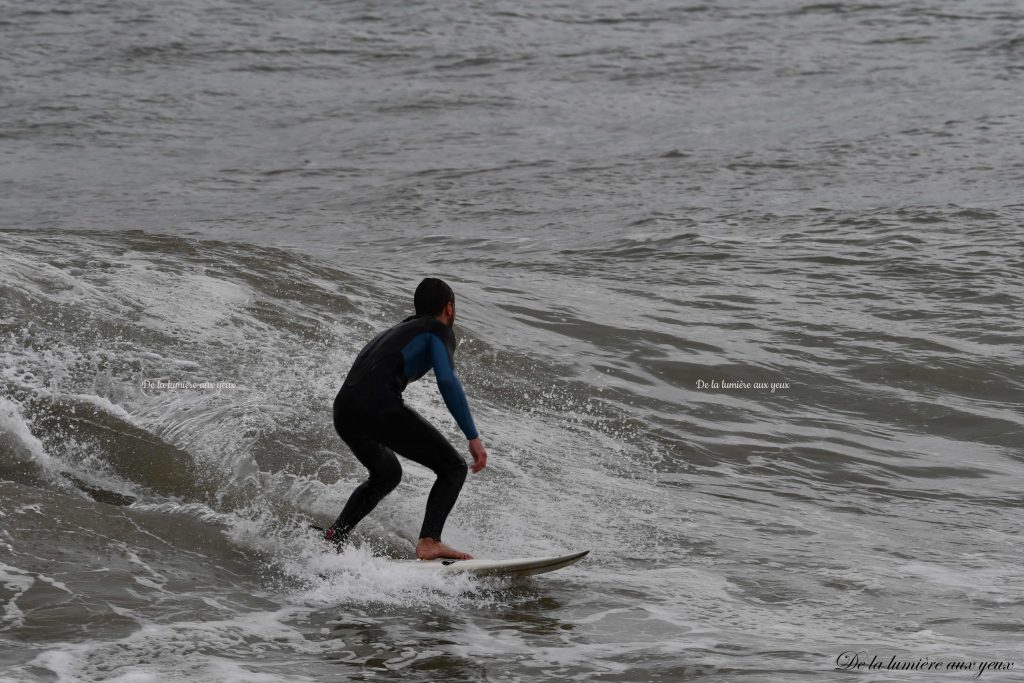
x,y
16,438
997,584
197,511
17,581
581,661
355,577
189,305
137,561
13,617
187,645
106,405
142,581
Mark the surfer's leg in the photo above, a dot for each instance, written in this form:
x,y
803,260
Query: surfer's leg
x,y
412,437
380,461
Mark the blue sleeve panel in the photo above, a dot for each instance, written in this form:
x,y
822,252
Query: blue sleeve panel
x,y
426,351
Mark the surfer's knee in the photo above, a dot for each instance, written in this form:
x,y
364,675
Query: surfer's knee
x,y
386,477
458,471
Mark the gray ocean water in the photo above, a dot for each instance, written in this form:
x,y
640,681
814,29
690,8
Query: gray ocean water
x,y
651,213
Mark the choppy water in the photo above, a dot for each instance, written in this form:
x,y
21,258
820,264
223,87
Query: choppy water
x,y
630,199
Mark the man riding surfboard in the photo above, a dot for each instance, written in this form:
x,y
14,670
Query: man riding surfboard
x,y
372,419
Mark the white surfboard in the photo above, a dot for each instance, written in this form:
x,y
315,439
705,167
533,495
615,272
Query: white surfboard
x,y
524,566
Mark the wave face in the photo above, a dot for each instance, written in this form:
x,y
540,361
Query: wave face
x,y
739,294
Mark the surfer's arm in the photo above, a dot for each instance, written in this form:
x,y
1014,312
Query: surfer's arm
x,y
451,388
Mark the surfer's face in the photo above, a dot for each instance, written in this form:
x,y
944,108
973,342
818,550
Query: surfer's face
x,y
449,314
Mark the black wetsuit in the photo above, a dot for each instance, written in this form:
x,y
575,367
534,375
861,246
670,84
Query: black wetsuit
x,y
372,419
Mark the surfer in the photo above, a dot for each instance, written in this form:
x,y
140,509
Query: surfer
x,y
372,419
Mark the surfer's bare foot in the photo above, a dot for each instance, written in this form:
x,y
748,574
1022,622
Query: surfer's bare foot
x,y
432,549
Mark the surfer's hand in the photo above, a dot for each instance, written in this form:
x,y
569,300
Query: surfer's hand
x,y
479,453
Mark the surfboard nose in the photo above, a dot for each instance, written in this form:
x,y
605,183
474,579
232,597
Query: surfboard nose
x,y
524,566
